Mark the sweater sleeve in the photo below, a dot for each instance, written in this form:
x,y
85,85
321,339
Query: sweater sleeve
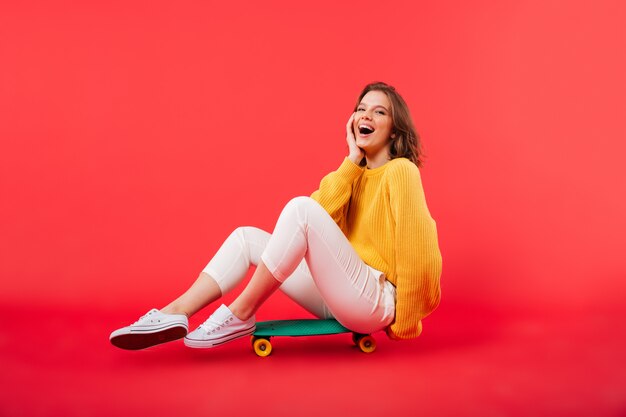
x,y
417,255
335,191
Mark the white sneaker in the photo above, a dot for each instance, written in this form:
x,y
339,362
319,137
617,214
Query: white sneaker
x,y
220,328
151,329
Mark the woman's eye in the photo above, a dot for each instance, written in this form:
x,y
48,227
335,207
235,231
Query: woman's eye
x,y
360,109
381,112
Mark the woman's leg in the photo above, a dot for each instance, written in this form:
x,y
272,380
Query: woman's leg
x,y
201,293
358,296
224,325
229,266
226,269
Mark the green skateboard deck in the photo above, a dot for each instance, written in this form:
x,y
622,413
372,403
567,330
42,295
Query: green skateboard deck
x,y
305,327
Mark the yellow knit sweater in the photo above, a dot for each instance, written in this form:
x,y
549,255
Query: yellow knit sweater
x,y
384,215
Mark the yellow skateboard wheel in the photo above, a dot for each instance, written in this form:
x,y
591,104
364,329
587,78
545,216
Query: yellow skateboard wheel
x,y
367,344
262,347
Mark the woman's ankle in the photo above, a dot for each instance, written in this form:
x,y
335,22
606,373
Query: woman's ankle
x,y
173,310
242,314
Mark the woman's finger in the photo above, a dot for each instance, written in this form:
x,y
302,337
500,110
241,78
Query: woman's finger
x,y
349,125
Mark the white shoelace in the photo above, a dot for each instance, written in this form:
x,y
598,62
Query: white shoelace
x,y
211,325
149,313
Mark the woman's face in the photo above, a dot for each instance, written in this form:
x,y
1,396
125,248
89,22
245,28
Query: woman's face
x,y
372,123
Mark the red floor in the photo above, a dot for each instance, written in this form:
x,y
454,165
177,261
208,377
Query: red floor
x,y
59,363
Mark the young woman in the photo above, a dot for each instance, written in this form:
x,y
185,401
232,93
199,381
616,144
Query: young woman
x,y
362,249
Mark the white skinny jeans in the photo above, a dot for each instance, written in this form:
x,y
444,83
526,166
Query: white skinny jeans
x,y
316,264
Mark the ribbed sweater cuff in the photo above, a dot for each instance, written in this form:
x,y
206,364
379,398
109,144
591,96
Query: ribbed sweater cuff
x,y
349,171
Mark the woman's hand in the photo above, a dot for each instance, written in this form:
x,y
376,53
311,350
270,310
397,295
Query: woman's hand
x,y
355,154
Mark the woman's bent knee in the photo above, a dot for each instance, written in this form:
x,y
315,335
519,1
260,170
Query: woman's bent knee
x,y
301,202
246,233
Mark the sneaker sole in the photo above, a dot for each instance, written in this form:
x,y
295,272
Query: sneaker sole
x,y
217,342
136,341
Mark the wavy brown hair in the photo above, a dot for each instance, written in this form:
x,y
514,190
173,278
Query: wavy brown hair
x,y
406,143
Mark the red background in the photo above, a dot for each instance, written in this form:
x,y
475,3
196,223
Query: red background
x,y
136,137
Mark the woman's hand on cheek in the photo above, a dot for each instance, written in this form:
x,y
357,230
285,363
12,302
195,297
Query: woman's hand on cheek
x,y
355,154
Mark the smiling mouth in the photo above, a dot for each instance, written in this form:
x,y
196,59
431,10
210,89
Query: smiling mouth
x,y
365,130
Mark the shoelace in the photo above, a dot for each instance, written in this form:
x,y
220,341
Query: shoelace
x,y
149,313
210,325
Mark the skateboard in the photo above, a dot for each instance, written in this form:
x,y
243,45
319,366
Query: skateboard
x,y
265,330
